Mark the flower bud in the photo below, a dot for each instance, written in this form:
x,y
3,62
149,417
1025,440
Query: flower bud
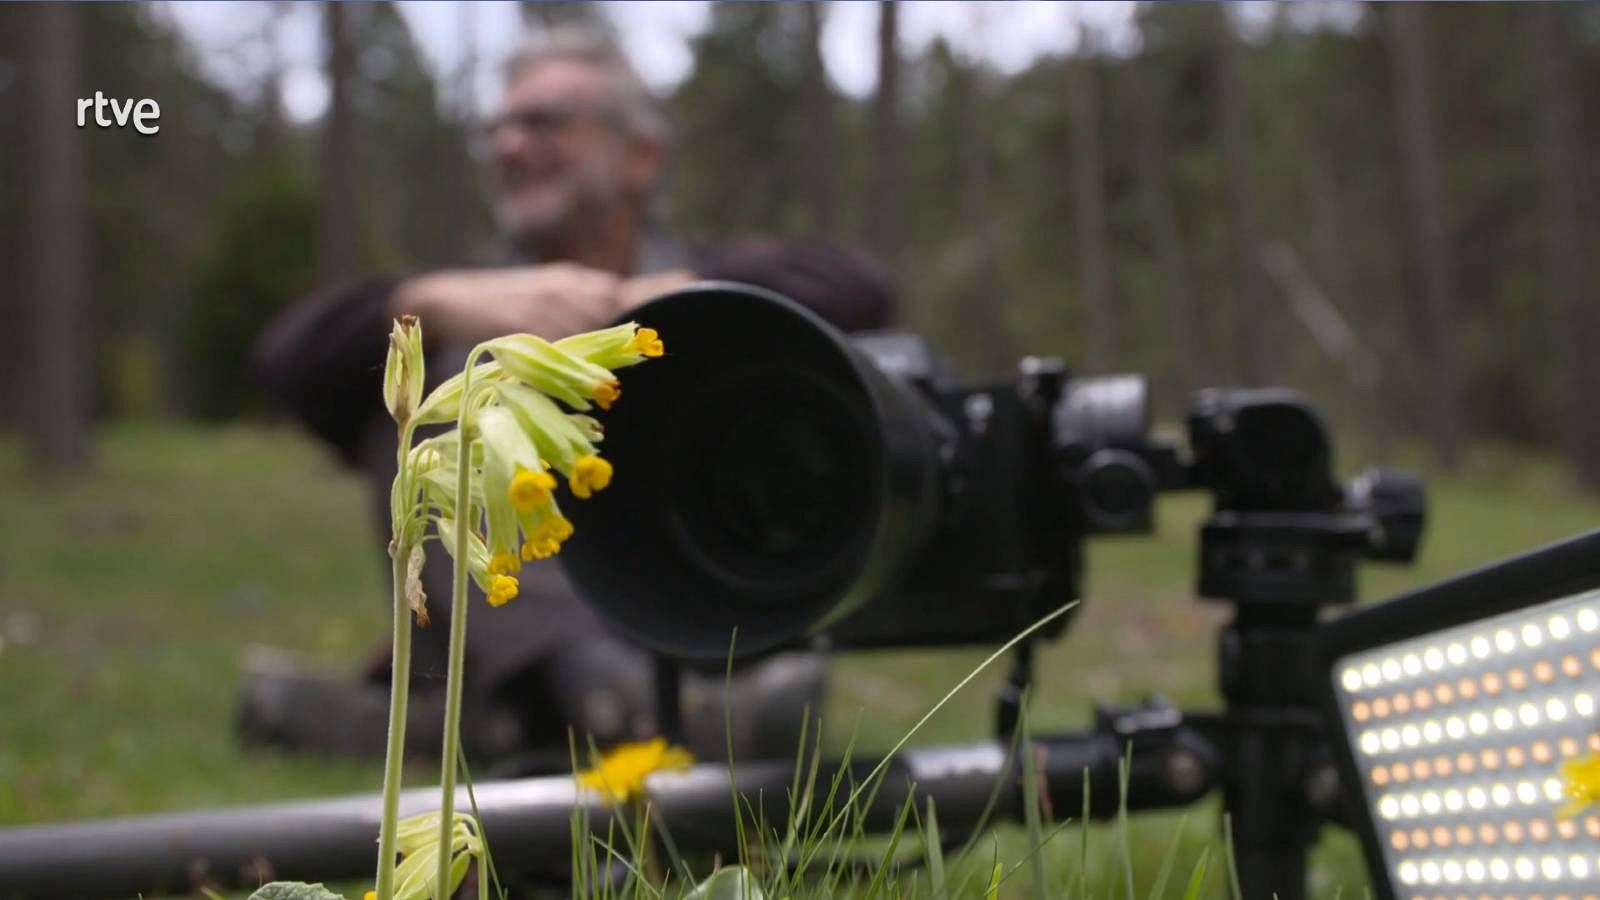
x,y
403,369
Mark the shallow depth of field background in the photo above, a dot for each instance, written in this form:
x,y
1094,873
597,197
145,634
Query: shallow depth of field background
x,y
1391,209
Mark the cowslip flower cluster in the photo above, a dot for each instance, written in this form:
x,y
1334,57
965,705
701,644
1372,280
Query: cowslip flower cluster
x,y
524,412
487,491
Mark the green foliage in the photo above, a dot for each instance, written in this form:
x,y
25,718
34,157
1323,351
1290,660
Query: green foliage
x,y
259,258
738,112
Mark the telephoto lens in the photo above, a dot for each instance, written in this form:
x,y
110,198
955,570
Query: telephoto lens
x,y
771,478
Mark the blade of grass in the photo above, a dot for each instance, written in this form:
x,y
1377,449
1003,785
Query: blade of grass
x,y
883,868
1158,888
1197,877
1000,784
1083,844
627,863
930,837
1124,772
485,859
996,875
967,679
727,735
1227,847
1031,813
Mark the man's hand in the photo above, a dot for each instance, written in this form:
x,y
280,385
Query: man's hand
x,y
472,305
642,288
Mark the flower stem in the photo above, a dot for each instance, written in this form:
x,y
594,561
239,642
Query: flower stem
x,y
399,693
458,639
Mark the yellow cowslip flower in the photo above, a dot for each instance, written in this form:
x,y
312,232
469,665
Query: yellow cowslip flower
x,y
620,773
589,474
507,449
616,347
1581,779
545,538
502,590
403,370
549,369
370,895
560,438
647,343
504,564
607,393
530,489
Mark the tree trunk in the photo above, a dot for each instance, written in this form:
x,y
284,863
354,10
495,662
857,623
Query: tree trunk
x,y
339,214
55,259
1189,336
821,155
1430,217
1089,210
983,313
1250,321
1567,267
884,217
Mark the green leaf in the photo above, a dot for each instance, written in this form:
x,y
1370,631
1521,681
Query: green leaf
x,y
294,890
732,883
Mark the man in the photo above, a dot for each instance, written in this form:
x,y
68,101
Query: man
x,y
576,157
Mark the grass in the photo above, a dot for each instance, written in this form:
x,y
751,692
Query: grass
x,y
129,593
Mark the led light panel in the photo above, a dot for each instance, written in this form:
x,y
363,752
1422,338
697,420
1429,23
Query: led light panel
x,y
1458,739
1454,709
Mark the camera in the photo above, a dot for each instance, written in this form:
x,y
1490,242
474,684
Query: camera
x,y
781,479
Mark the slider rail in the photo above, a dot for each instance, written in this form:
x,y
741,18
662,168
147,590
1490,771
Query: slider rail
x,y
528,820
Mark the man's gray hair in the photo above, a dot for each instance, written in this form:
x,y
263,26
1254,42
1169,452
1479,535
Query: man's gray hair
x,y
639,110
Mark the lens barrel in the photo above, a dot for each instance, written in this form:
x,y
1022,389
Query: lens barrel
x,y
769,478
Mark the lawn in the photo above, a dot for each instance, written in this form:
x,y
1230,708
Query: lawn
x,y
130,593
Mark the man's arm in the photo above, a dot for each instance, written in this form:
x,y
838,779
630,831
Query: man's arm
x,y
847,288
323,358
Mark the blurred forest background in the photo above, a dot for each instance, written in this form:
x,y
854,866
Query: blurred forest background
x,y
1391,207
1394,213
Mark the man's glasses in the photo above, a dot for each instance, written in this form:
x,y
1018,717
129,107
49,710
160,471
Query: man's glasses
x,y
548,121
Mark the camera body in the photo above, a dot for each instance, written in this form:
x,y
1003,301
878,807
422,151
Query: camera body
x,y
1027,468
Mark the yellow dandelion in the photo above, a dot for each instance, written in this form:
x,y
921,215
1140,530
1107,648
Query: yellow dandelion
x,y
1582,784
621,772
589,474
502,589
530,490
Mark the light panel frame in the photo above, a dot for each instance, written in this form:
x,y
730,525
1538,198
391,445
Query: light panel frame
x,y
1562,571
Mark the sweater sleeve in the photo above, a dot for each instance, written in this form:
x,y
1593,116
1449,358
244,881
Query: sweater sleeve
x,y
323,360
846,287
